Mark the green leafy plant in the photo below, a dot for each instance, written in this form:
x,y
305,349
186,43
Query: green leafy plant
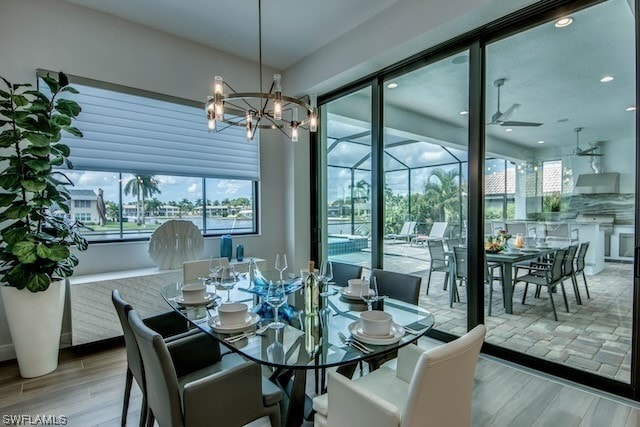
x,y
34,204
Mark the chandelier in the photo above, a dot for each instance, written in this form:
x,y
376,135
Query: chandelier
x,y
260,110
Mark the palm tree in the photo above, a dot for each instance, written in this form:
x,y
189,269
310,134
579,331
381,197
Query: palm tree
x,y
442,193
141,186
361,192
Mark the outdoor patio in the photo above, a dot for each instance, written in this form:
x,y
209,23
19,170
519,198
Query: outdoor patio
x,y
595,336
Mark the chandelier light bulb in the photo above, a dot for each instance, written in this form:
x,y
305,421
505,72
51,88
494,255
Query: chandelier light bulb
x,y
217,85
277,104
313,116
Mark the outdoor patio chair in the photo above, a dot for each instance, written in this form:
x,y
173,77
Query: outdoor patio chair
x,y
582,252
438,262
437,232
460,269
407,232
545,275
568,271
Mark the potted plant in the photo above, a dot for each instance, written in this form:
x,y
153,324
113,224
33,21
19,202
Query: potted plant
x,y
35,254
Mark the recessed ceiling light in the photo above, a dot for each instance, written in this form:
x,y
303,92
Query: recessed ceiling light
x,y
392,85
508,130
541,142
606,79
630,109
564,22
464,112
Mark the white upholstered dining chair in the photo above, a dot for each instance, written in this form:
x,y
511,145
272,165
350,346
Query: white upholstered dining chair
x,y
429,388
193,270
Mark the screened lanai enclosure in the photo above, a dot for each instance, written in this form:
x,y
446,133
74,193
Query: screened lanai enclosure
x,y
558,169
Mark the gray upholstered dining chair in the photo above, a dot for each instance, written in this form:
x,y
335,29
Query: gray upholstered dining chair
x,y
226,393
432,388
403,287
170,325
343,272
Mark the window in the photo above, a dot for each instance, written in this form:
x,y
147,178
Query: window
x,y
150,159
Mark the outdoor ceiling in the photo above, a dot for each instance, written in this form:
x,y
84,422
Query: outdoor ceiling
x,y
291,29
554,73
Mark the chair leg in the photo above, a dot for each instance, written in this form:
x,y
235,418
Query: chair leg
x,y
576,291
428,281
127,395
553,304
564,295
144,411
151,419
524,294
446,280
490,294
585,284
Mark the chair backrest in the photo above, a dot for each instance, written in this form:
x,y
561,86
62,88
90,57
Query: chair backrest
x,y
442,384
192,270
436,253
556,265
460,260
403,287
134,360
405,228
567,268
343,272
438,230
582,252
516,228
163,396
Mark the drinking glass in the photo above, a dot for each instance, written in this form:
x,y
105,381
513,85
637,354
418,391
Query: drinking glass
x,y
275,297
215,265
326,276
228,279
281,264
369,294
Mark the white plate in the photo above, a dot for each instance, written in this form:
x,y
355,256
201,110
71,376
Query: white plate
x,y
397,332
252,320
345,292
208,298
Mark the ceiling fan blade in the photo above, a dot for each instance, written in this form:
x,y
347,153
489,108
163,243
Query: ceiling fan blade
x,y
507,114
514,124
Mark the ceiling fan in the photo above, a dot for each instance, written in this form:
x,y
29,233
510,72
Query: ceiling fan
x,y
589,151
502,119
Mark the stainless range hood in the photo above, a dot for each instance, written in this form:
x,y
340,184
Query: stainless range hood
x,y
594,183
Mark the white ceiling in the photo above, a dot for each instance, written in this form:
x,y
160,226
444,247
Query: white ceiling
x,y
291,29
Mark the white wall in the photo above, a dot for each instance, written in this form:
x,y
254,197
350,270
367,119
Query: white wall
x,y
57,35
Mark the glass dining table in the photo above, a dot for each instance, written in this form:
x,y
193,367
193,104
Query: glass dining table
x,y
306,342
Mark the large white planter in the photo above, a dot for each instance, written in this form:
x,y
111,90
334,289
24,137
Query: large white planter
x,y
35,323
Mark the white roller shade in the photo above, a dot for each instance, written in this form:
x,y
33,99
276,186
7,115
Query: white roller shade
x,y
138,134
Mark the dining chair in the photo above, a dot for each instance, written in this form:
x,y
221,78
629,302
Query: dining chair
x,y
568,271
403,287
225,393
431,387
193,270
460,269
438,262
169,325
580,264
549,275
342,272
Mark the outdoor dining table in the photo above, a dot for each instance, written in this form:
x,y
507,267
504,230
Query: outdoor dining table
x,y
307,343
508,260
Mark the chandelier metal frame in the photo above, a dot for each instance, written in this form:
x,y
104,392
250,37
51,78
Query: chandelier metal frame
x,y
249,109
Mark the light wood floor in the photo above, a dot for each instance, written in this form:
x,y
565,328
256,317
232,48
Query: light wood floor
x,y
87,389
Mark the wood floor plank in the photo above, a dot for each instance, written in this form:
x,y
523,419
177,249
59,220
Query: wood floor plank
x,y
574,401
524,408
634,418
605,412
556,417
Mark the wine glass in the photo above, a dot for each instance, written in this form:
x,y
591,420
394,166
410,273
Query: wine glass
x,y
281,264
228,279
369,294
275,297
215,265
326,275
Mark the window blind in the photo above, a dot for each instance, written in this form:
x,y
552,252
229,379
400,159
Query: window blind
x,y
137,134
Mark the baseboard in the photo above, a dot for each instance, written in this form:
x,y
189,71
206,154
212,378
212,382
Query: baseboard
x,y
8,353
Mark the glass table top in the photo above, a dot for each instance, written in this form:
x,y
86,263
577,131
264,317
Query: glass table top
x,y
306,342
